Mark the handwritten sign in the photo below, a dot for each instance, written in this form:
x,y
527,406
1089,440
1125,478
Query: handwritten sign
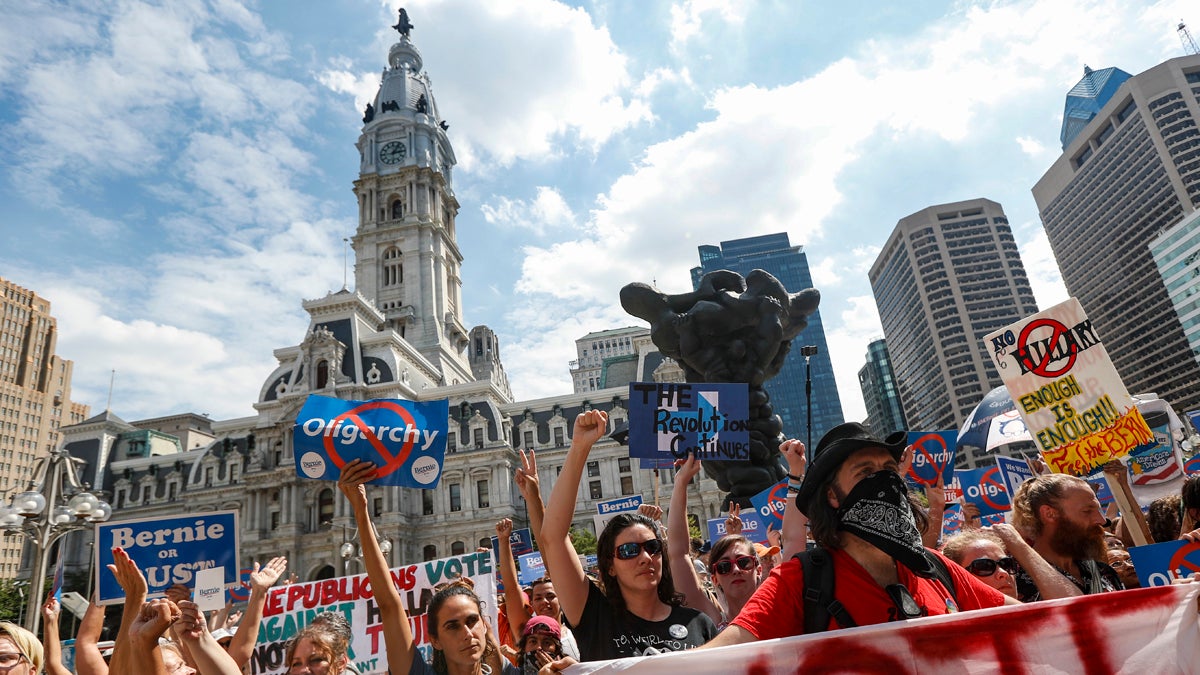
x,y
933,456
168,550
405,440
1065,386
674,420
290,608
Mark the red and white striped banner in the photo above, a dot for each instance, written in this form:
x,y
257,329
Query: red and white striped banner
x,y
1150,630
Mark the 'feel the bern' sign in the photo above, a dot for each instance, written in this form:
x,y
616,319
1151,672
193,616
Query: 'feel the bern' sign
x,y
169,551
406,440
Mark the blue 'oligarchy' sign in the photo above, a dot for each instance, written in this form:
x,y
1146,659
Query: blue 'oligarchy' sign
x,y
1160,564
933,457
405,440
673,420
168,550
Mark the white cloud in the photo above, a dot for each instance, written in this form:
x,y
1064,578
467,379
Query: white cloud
x,y
1042,269
688,18
1031,146
548,210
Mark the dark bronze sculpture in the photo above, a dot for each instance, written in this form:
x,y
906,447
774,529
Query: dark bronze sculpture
x,y
403,26
369,113
731,329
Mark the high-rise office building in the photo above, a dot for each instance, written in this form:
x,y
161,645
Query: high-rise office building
x,y
885,413
35,397
949,275
1129,174
599,350
774,253
1176,253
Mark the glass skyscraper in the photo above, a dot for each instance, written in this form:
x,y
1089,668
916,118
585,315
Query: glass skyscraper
x,y
774,253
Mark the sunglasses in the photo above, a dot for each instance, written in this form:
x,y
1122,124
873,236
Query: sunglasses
x,y
744,562
986,567
633,549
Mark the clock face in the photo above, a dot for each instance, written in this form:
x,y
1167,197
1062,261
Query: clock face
x,y
392,153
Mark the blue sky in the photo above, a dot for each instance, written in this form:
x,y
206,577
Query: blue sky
x,y
175,177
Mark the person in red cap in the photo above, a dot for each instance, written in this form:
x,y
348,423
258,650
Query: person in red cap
x,y
867,537
541,643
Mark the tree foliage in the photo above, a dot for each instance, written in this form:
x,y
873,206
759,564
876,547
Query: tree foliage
x,y
584,541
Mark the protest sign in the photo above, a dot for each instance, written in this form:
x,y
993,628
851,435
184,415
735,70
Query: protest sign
x,y
984,488
168,550
933,456
1100,486
521,542
1160,564
952,520
1157,461
1067,390
290,608
1013,471
530,568
405,440
771,504
607,510
209,591
673,420
1194,417
752,528
1148,630
1192,466
656,463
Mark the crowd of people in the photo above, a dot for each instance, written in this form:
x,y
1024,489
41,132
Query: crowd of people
x,y
856,547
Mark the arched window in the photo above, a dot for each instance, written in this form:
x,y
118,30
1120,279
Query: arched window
x,y
397,209
322,373
326,572
393,267
429,552
458,548
325,509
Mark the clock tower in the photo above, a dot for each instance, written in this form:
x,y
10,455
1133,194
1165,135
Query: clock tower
x,y
406,252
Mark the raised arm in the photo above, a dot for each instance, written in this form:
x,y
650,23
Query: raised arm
x,y
88,660
210,658
50,614
241,648
936,496
1050,583
678,543
139,652
558,553
134,584
514,604
795,524
531,489
397,633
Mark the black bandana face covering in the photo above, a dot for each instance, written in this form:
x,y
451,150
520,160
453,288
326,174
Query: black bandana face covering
x,y
877,511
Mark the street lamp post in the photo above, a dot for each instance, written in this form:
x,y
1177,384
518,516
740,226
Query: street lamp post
x,y
55,503
349,551
808,351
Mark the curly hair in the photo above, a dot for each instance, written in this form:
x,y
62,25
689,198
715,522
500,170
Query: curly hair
x,y
324,637
954,547
1163,518
1190,492
606,550
1039,491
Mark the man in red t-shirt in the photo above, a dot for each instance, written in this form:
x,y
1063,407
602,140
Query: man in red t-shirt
x,y
858,509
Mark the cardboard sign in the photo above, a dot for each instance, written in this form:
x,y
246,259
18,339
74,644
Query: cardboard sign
x,y
1065,386
1192,466
405,440
1013,471
933,456
209,591
1100,486
530,568
290,608
984,488
772,503
1193,417
168,550
952,520
1159,564
620,505
1155,462
674,420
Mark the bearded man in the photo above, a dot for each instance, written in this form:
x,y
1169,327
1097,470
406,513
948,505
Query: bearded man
x,y
873,567
1061,517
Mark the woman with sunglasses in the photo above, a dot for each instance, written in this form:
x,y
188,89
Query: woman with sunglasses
x,y
998,553
638,612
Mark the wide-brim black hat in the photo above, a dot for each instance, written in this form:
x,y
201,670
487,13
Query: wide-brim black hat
x,y
834,448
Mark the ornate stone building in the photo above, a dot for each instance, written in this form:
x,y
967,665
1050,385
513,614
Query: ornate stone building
x,y
400,334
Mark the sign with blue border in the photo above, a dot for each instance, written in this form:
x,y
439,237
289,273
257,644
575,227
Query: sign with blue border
x,y
406,440
1160,564
933,456
168,550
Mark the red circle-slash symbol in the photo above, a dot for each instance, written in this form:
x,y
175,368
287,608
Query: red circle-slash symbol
x,y
992,477
1183,561
391,462
1043,367
939,469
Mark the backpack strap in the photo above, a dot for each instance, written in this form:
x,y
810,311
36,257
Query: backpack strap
x,y
819,601
943,575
